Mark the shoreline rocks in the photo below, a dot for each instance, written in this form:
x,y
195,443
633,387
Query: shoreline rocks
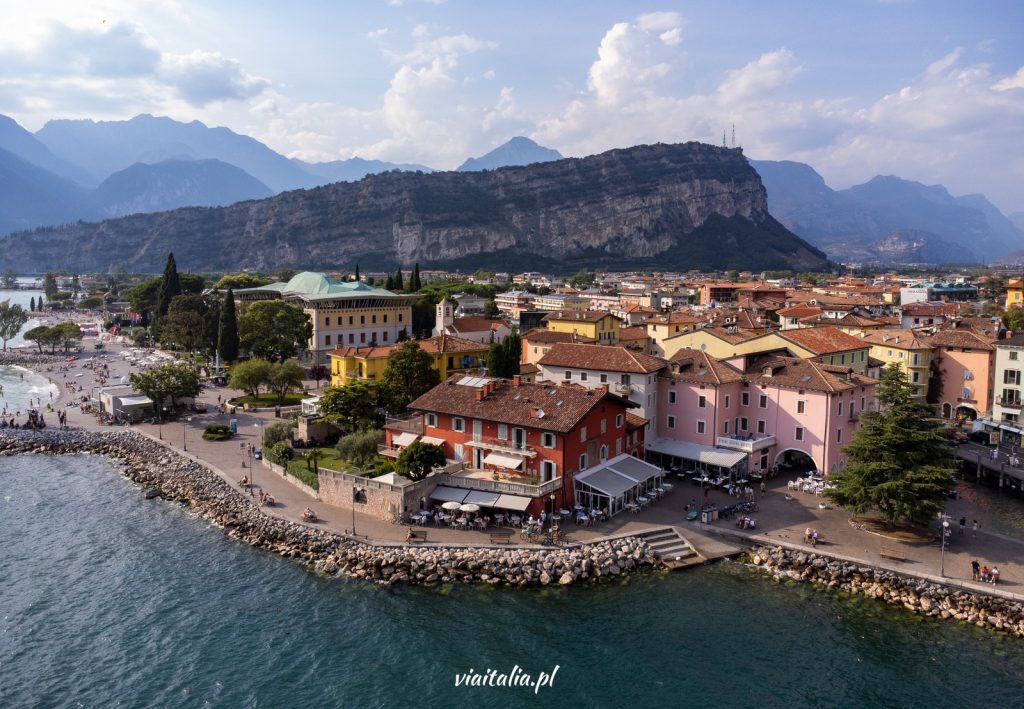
x,y
914,594
157,468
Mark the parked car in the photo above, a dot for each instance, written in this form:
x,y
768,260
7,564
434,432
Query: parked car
x,y
981,437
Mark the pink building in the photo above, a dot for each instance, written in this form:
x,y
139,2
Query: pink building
x,y
773,409
967,363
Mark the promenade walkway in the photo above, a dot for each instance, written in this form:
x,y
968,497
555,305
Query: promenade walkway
x,y
778,519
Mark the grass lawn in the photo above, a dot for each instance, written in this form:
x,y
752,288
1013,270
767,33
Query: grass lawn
x,y
264,400
328,459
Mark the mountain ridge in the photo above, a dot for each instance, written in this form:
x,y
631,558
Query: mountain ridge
x,y
516,151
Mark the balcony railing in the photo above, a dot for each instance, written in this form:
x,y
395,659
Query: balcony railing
x,y
501,486
1009,402
388,451
750,443
407,424
502,446
621,389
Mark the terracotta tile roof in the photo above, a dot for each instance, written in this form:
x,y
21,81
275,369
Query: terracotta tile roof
x,y
601,358
545,406
475,324
634,421
822,340
577,315
931,309
529,369
799,311
632,333
797,373
902,339
962,338
443,344
540,336
733,338
676,317
691,365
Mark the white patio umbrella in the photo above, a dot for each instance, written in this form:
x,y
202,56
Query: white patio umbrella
x,y
469,508
452,506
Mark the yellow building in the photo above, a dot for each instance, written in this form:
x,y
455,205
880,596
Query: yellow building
x,y
600,325
348,313
450,355
1014,293
662,327
906,348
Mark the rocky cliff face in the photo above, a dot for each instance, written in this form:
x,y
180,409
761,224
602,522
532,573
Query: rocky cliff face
x,y
666,206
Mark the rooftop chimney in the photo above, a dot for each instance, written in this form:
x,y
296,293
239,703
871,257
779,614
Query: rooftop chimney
x,y
479,394
516,380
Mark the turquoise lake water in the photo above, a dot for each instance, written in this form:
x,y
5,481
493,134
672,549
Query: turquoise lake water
x,y
109,599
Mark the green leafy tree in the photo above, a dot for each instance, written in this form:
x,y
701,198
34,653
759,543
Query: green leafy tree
x,y
899,463
67,335
237,281
170,286
182,330
582,279
318,373
9,280
353,406
418,459
12,317
414,280
167,383
285,274
503,357
91,303
409,373
144,297
191,283
273,328
389,284
76,285
360,447
39,335
250,375
284,378
50,285
277,432
1014,318
227,332
491,309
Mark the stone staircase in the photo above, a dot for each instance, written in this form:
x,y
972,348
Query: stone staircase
x,y
671,547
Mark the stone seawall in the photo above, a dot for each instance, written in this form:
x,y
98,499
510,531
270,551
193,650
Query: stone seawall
x,y
183,479
916,595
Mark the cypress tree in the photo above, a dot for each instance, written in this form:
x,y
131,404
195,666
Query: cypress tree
x,y
357,273
227,333
32,304
414,280
399,285
170,287
389,284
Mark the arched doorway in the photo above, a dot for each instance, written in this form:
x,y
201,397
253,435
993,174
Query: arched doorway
x,y
966,413
794,460
947,410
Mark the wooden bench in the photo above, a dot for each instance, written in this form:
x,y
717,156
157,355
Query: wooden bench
x,y
417,535
501,537
892,553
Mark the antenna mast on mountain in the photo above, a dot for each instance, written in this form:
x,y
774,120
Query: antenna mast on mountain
x,y
723,139
734,135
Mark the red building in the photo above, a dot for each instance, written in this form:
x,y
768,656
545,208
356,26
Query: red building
x,y
534,435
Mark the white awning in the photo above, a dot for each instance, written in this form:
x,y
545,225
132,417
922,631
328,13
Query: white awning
x,y
448,494
503,460
484,499
403,439
135,401
708,455
619,474
513,502
432,440
607,481
1011,429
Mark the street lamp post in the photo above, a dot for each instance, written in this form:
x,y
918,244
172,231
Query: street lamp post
x,y
184,430
942,553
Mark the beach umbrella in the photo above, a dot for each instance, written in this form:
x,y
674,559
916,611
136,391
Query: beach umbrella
x,y
452,506
469,508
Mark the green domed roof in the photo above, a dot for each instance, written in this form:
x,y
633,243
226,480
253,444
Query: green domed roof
x,y
310,283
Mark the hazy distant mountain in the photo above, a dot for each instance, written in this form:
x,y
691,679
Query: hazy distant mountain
x,y
104,147
31,196
353,169
18,141
517,151
176,183
1017,219
850,224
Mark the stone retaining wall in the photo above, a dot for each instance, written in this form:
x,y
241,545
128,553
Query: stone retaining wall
x,y
916,595
183,479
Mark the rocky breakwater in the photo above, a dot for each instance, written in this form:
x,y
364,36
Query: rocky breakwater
x,y
914,594
179,478
24,358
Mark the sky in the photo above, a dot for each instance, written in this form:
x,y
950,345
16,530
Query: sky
x,y
928,90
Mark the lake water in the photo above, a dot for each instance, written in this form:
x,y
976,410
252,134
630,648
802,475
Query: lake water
x,y
109,599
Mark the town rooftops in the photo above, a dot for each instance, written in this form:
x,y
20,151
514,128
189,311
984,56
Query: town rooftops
x,y
962,339
691,365
439,344
539,336
545,406
474,324
822,340
902,339
797,373
600,358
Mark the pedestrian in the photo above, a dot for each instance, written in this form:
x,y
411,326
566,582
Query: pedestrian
x,y
763,488
974,528
963,524
975,570
994,574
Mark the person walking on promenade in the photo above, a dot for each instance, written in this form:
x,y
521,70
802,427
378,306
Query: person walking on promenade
x,y
974,527
763,488
975,570
963,524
